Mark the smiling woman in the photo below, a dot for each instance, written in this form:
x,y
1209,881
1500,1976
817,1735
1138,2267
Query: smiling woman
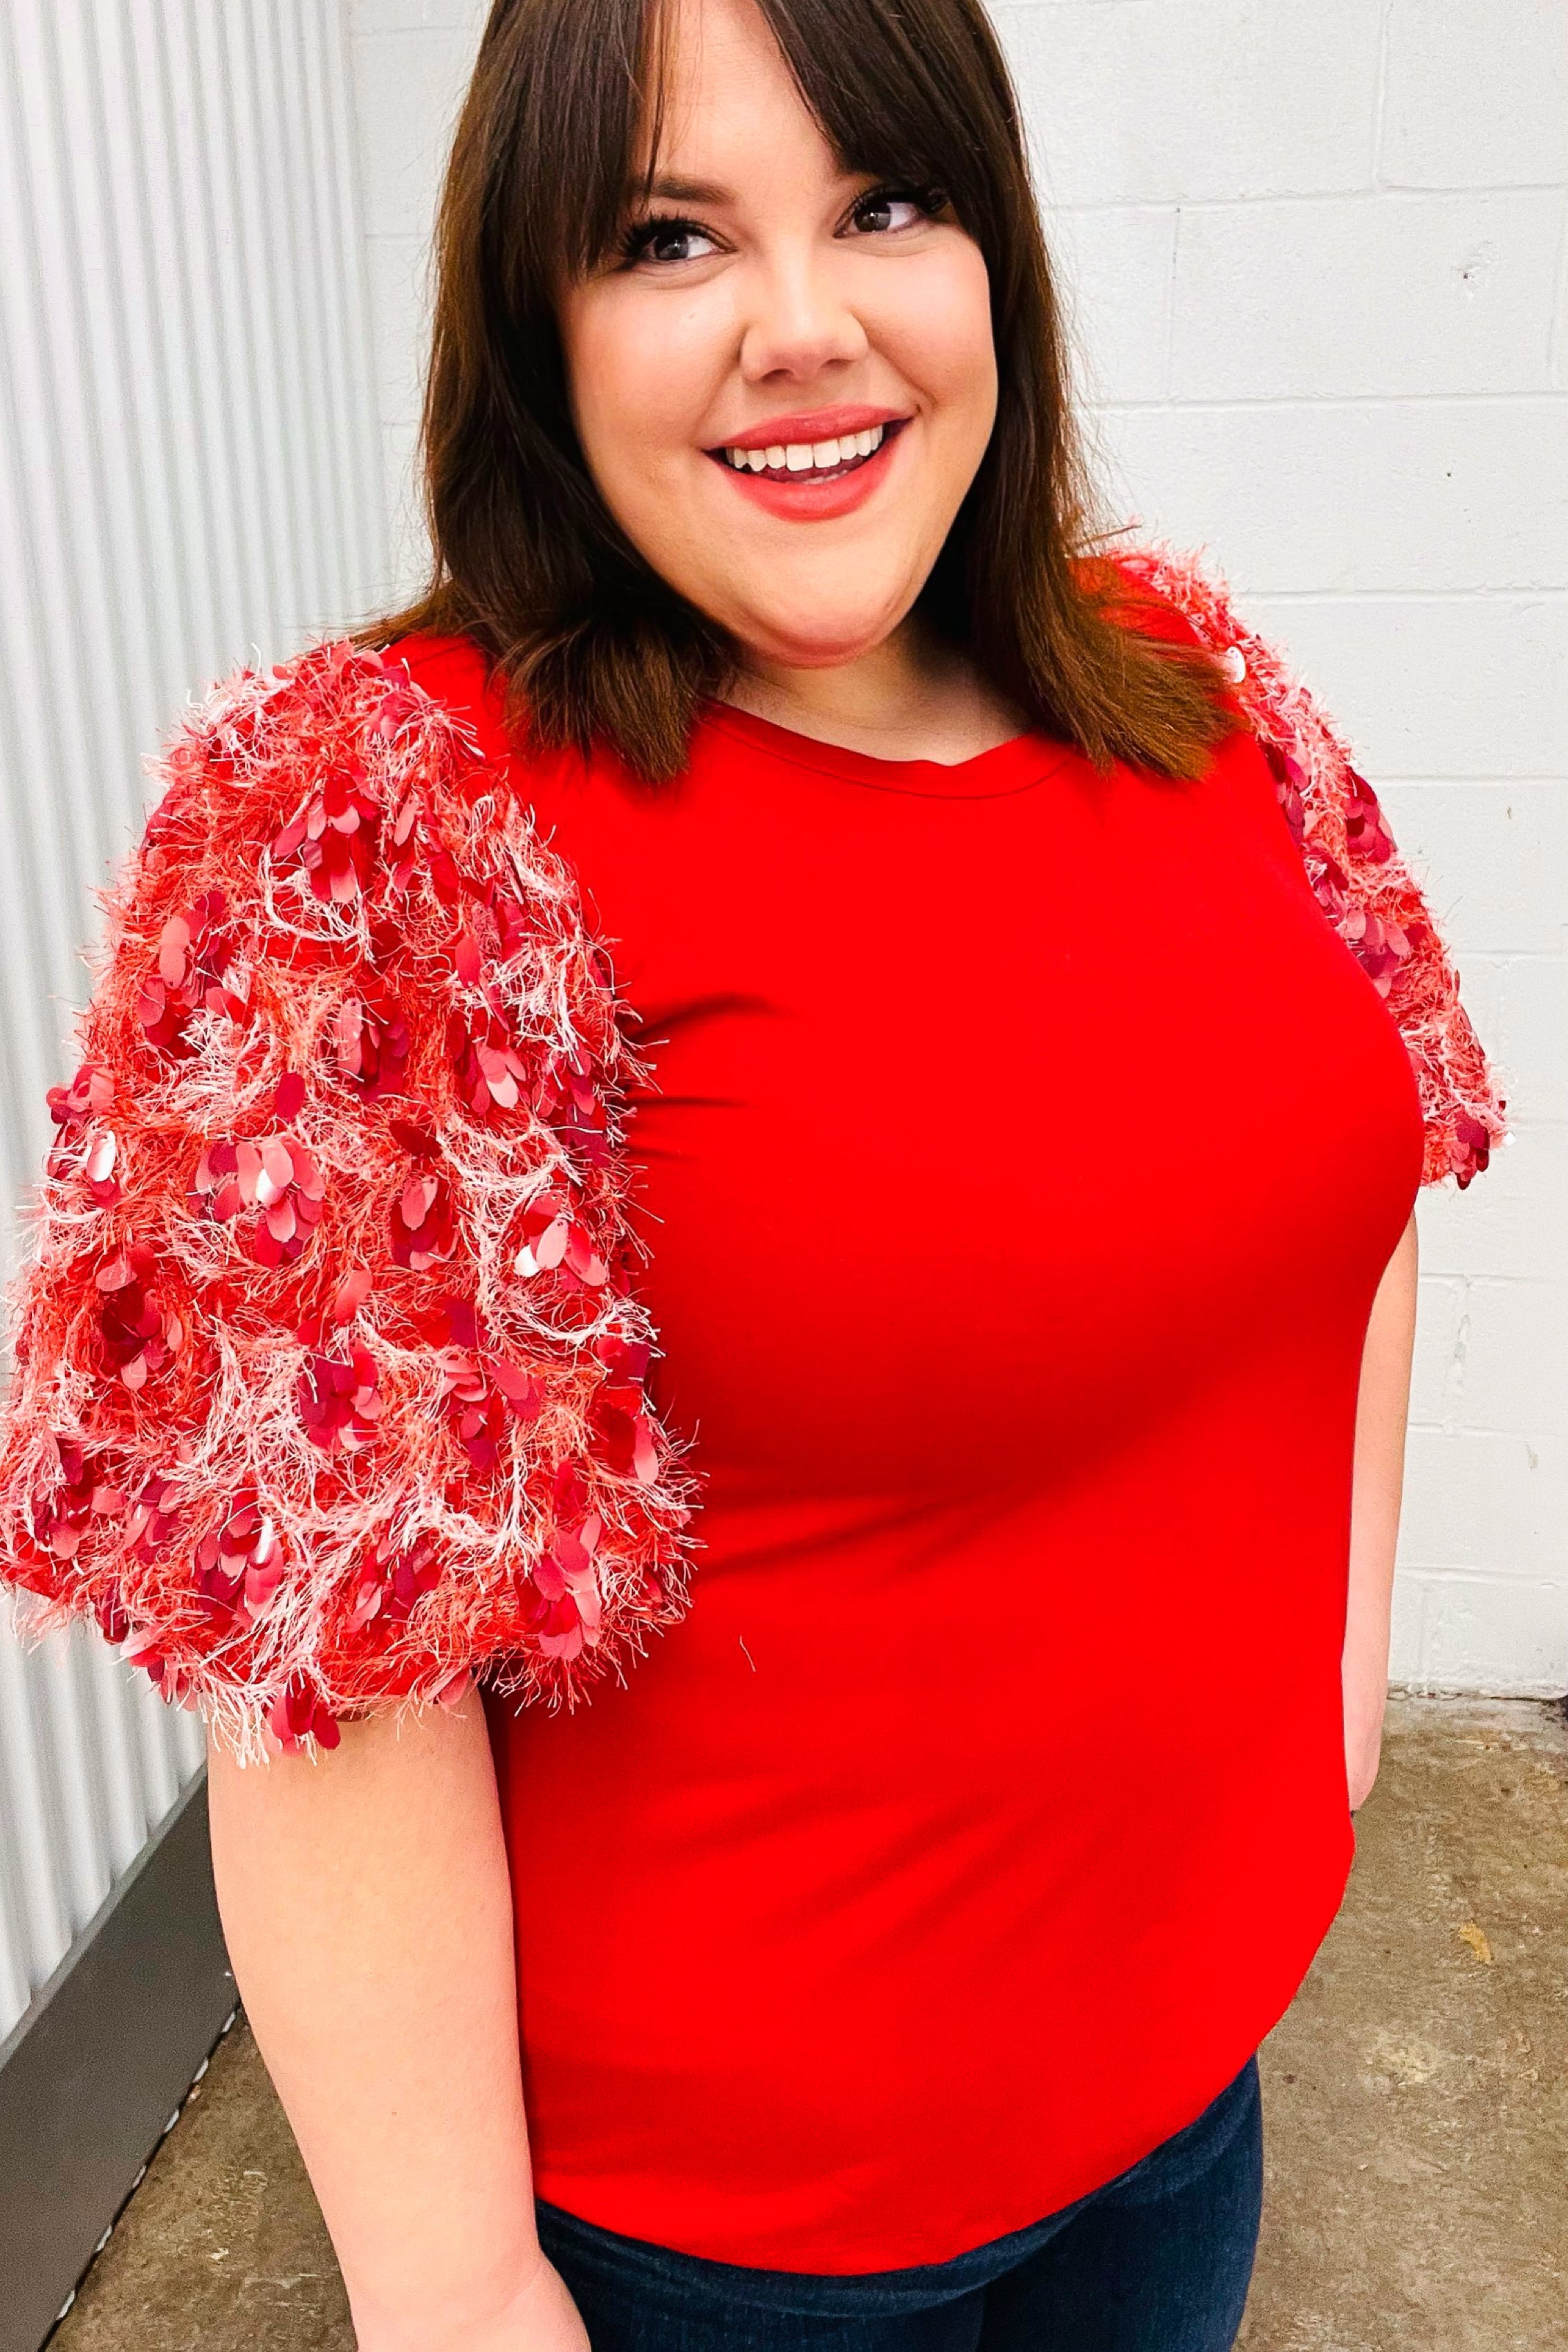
x,y
791,271
823,195
1036,1043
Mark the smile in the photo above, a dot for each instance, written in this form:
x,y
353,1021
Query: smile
x,y
812,481
815,461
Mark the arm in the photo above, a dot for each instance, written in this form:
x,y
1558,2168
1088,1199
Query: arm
x,y
1383,1406
366,1904
327,1392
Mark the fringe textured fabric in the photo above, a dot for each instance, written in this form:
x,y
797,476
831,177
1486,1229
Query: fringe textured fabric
x,y
329,1387
329,1382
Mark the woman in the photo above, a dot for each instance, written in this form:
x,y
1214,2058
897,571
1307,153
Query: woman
x,y
1020,1185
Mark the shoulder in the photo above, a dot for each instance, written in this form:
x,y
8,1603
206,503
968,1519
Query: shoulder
x,y
334,720
420,697
457,674
1183,597
344,826
1135,589
1368,890
331,777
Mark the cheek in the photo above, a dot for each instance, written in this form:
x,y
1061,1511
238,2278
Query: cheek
x,y
640,376
938,334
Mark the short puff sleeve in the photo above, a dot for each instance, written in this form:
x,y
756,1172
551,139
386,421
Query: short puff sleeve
x,y
1364,884
329,1369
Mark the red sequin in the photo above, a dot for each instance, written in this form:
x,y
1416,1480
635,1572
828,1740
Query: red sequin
x,y
339,1401
90,1091
1365,827
392,1581
333,837
492,1075
273,1174
239,1564
566,1095
194,970
138,1333
424,1227
373,1041
484,1393
63,1506
298,1713
152,1518
555,1239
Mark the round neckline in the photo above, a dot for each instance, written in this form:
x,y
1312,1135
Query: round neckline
x,y
1011,767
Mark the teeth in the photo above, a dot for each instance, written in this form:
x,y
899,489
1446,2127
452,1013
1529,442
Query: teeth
x,y
807,456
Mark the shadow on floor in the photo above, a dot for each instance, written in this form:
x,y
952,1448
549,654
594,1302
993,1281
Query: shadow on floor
x,y
1417,2099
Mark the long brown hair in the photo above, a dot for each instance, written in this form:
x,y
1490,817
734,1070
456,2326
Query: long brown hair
x,y
529,561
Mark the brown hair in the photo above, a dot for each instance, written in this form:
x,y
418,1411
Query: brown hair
x,y
529,561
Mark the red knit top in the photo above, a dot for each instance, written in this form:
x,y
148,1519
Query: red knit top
x,y
1023,1155
984,1174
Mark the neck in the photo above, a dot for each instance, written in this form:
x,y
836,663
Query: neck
x,y
909,698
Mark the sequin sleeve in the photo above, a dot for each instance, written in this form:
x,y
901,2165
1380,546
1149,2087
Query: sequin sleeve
x,y
1363,884
327,1387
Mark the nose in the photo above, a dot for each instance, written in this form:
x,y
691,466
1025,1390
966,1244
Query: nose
x,y
798,321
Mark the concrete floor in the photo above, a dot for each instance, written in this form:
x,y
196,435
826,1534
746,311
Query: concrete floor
x,y
1416,2095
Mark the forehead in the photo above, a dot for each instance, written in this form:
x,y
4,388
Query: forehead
x,y
726,109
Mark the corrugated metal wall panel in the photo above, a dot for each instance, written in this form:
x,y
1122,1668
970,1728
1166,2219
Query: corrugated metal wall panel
x,y
189,478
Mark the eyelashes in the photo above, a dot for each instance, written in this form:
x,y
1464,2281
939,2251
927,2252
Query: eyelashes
x,y
643,239
929,200
638,242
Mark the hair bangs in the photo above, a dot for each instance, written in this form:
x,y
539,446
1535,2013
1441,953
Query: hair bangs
x,y
571,101
905,94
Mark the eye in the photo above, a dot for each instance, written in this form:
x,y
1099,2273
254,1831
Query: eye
x,y
666,239
882,210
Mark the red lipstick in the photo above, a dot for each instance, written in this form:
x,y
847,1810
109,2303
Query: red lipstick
x,y
808,490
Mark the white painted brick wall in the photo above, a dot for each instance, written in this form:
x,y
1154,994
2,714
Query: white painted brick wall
x,y
411,62
1317,261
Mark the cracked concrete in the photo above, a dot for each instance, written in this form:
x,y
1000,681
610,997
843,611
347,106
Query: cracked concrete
x,y
1417,2099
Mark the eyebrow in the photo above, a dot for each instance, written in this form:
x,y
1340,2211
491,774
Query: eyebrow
x,y
673,191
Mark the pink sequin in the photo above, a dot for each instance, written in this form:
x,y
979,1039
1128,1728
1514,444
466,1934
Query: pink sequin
x,y
339,1400
194,969
273,1175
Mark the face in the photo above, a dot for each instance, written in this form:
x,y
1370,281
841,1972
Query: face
x,y
785,382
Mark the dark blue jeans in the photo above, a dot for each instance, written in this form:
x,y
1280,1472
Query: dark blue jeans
x,y
1157,2261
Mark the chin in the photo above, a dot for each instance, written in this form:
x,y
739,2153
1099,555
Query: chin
x,y
800,640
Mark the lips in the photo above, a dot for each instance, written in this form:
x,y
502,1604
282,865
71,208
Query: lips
x,y
811,480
